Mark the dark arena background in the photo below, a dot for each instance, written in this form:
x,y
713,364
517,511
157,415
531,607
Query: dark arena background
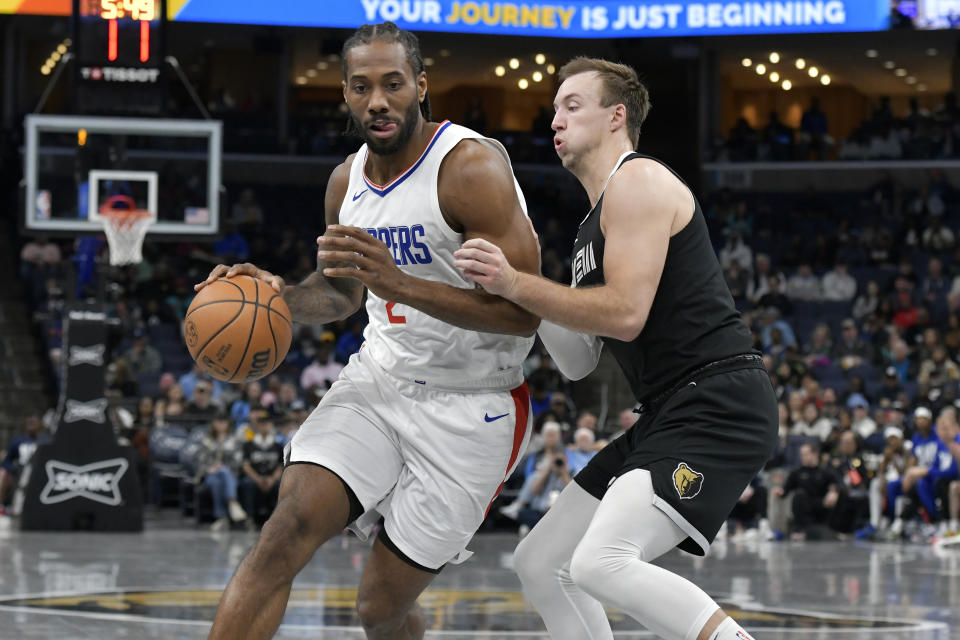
x,y
822,138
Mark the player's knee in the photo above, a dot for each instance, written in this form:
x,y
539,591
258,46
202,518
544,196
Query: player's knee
x,y
536,559
288,539
586,568
527,562
380,615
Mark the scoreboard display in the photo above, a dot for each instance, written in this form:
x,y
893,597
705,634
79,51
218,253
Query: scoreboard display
x,y
119,46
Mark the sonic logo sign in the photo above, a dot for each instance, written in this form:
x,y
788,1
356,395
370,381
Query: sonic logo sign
x,y
93,411
87,355
97,481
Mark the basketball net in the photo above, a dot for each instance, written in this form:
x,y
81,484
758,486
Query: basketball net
x,y
125,229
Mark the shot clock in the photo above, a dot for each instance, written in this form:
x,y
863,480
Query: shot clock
x,y
119,46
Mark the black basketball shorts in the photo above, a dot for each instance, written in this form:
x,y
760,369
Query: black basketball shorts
x,y
702,442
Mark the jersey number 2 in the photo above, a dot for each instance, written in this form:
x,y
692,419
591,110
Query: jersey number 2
x,y
393,318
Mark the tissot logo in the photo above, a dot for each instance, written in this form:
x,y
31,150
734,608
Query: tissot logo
x,y
94,411
97,481
87,355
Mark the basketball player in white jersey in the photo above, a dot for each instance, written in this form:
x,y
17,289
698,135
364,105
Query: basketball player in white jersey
x,y
427,421
648,287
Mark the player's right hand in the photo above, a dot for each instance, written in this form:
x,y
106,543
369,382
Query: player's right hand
x,y
242,269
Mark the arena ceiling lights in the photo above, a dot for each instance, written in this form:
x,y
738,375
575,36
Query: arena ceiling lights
x,y
910,79
782,70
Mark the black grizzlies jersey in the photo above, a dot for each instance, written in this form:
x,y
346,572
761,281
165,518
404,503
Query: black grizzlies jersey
x,y
692,321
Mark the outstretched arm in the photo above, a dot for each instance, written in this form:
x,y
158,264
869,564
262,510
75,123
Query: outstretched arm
x,y
639,207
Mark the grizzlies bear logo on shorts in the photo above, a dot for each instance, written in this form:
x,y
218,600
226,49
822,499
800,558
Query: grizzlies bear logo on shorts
x,y
686,481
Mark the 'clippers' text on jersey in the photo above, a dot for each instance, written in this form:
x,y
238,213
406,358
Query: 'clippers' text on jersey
x,y
406,243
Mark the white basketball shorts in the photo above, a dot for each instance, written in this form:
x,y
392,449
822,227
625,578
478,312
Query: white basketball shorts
x,y
429,461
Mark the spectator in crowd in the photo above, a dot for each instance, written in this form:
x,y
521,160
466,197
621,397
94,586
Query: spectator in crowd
x,y
247,213
804,285
546,473
899,359
938,370
261,467
867,302
218,462
582,451
838,285
814,131
774,296
933,485
750,512
324,370
736,250
933,290
853,505
249,399
818,350
778,138
863,425
39,261
287,399
201,407
231,247
811,424
815,493
141,356
938,238
769,320
737,281
758,285
349,343
287,426
829,408
19,451
892,466
171,406
190,379
925,447
890,387
121,378
851,351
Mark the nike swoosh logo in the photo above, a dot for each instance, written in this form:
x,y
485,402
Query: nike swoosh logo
x,y
489,419
357,196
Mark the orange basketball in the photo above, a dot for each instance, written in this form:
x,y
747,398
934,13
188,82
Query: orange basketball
x,y
238,329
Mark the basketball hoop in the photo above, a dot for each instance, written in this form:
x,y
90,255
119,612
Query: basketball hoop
x,y
126,227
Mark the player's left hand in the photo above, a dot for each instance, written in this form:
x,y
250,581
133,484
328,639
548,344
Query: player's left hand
x,y
359,255
484,263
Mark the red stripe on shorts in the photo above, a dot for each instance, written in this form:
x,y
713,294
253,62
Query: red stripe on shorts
x,y
521,400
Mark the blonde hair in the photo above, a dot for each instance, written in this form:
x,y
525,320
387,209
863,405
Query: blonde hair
x,y
619,85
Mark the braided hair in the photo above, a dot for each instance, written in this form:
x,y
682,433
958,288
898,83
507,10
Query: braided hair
x,y
389,32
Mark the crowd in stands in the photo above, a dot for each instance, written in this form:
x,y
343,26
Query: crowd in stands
x,y
853,298
918,134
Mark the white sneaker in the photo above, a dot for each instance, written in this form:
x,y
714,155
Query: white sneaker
x,y
237,514
512,510
219,524
524,530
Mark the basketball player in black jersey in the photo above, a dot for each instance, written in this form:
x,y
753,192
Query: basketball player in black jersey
x,y
647,285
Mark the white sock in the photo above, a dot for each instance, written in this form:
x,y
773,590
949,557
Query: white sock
x,y
730,630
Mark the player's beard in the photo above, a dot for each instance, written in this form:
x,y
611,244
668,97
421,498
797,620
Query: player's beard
x,y
404,132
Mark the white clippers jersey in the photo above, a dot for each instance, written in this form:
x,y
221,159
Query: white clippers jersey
x,y
405,215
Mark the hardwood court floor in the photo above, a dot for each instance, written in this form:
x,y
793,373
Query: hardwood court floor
x,y
165,583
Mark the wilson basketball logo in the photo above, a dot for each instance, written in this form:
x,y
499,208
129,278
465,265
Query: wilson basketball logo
x,y
258,364
686,481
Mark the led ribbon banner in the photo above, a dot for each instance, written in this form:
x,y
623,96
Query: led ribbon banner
x,y
571,19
